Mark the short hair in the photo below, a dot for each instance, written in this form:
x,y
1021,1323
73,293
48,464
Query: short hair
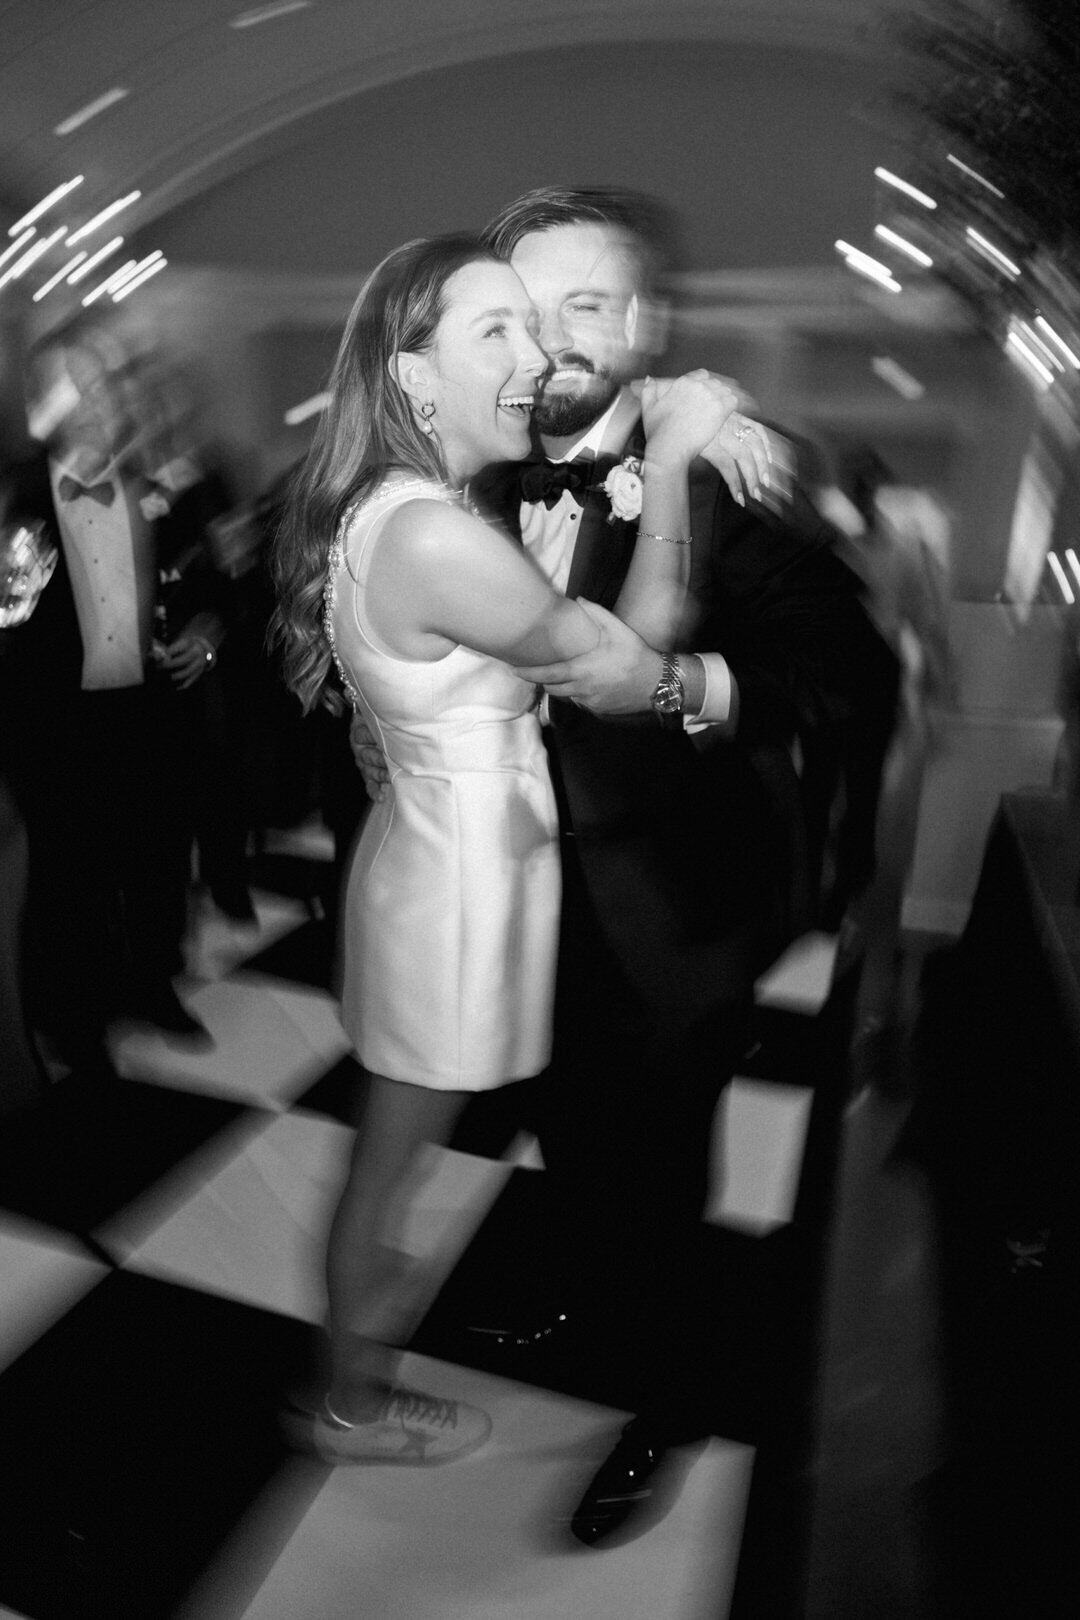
x,y
647,223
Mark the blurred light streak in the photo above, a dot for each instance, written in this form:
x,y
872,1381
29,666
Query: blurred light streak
x,y
31,256
894,374
137,281
110,282
261,14
857,260
45,204
106,213
1018,349
94,260
308,407
129,271
17,246
1059,574
1074,563
905,246
1044,326
61,275
91,110
1035,342
974,176
989,251
891,179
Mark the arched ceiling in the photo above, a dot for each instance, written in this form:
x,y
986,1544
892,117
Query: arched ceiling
x,y
207,84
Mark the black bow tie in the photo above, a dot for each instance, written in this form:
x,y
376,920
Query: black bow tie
x,y
71,489
546,480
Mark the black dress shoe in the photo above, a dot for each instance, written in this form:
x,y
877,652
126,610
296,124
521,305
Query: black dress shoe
x,y
630,1491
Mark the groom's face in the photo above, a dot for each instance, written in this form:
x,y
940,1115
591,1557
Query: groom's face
x,y
585,282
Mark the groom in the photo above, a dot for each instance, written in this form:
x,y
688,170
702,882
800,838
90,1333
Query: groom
x,y
677,803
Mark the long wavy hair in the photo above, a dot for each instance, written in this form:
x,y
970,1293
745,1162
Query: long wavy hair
x,y
368,429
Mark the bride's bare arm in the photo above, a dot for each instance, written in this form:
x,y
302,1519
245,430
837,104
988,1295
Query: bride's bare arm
x,y
440,576
680,418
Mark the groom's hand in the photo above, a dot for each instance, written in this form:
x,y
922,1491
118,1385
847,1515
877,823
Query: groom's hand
x,y
617,676
753,461
370,759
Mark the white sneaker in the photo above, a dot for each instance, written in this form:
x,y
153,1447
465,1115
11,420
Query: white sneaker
x,y
409,1427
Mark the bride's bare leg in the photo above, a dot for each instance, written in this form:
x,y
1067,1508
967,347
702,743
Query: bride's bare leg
x,y
366,1273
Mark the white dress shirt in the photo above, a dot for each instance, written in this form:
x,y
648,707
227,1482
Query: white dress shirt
x,y
550,535
112,580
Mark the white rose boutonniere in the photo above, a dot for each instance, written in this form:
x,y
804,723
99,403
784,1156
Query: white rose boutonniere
x,y
623,488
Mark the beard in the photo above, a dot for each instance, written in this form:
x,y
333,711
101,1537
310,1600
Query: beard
x,y
558,416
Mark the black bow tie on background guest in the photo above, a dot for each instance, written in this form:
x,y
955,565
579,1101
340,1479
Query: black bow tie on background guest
x,y
71,489
546,480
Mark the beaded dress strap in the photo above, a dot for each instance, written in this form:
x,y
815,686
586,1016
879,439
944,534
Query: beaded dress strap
x,y
336,559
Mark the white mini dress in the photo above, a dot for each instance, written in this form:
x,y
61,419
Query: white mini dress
x,y
452,906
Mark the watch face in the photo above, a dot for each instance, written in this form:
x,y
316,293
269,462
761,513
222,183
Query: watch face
x,y
667,700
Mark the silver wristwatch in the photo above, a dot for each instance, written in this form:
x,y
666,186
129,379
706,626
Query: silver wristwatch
x,y
667,700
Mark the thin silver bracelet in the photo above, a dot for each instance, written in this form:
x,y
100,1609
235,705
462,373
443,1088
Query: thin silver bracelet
x,y
672,539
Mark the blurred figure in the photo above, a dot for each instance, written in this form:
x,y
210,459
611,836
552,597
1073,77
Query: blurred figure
x,y
109,865
902,555
843,756
194,614
27,562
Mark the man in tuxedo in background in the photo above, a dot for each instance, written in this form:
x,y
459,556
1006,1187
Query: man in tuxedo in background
x,y
678,807
108,856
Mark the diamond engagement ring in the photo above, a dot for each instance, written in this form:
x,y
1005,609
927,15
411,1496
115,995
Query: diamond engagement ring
x,y
744,431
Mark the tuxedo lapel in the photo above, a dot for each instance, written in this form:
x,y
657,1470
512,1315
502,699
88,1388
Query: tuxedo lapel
x,y
603,548
496,492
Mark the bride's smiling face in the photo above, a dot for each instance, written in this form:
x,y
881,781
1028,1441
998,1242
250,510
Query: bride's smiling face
x,y
481,372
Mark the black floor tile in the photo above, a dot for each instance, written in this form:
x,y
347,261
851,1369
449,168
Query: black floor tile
x,y
305,956
492,1119
743,1284
91,1148
339,1093
136,1433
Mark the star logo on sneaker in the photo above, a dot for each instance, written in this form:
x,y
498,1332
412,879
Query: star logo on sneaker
x,y
416,1444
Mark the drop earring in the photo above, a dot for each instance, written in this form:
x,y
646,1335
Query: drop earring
x,y
427,411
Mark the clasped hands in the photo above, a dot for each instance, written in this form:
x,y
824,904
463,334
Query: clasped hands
x,y
751,459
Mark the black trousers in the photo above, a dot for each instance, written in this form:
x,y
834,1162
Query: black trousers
x,y
109,859
625,1124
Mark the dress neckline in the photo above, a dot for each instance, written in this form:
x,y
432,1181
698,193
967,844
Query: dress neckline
x,y
400,485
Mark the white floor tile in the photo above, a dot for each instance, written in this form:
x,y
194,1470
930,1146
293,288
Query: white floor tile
x,y
255,1228
478,1540
271,1041
799,981
42,1275
759,1135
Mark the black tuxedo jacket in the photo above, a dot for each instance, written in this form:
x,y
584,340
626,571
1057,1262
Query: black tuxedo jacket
x,y
691,847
